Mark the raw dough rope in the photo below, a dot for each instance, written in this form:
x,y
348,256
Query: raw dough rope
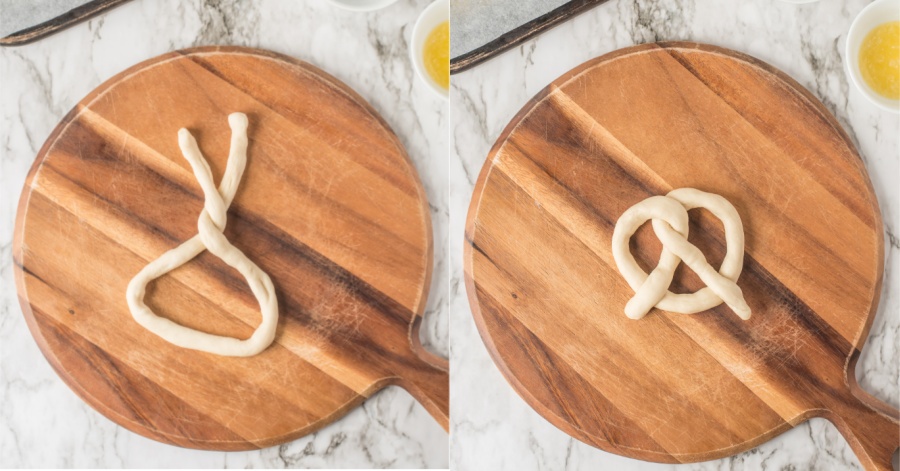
x,y
210,225
670,223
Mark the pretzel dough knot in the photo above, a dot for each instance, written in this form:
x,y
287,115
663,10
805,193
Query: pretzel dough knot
x,y
669,215
210,225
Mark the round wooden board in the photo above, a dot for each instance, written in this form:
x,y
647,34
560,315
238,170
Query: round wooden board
x,y
329,206
548,299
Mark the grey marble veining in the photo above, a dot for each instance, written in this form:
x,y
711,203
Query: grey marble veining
x,y
492,427
42,423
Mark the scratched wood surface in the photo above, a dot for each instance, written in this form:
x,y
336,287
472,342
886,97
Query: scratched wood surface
x,y
548,300
330,207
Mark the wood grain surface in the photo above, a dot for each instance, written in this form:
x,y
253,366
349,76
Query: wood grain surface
x,y
548,299
330,207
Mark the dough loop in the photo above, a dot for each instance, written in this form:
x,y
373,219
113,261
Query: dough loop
x,y
670,224
210,225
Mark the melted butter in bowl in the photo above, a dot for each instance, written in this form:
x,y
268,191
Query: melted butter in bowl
x,y
879,59
430,47
436,54
872,54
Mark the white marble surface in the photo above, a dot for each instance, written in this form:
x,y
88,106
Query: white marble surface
x,y
492,428
42,423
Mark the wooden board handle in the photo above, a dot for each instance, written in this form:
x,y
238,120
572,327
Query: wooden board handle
x,y
870,426
428,378
873,435
430,385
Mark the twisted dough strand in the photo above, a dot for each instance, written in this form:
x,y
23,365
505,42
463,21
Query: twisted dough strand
x,y
210,225
670,224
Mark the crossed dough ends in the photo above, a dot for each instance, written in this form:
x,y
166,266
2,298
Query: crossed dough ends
x,y
210,225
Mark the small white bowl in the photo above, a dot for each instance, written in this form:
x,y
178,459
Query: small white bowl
x,y
433,15
877,13
361,5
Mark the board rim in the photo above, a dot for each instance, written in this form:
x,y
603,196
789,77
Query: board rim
x,y
554,86
191,442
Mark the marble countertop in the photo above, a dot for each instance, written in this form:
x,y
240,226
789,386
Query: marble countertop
x,y
493,428
42,423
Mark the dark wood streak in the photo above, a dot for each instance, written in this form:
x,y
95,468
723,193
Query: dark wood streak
x,y
609,223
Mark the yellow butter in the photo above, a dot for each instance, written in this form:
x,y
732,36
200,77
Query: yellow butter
x,y
879,60
436,54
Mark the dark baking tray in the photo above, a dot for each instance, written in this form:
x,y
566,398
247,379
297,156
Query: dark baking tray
x,y
69,18
520,34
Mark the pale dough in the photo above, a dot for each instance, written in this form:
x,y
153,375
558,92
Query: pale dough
x,y
210,225
670,224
